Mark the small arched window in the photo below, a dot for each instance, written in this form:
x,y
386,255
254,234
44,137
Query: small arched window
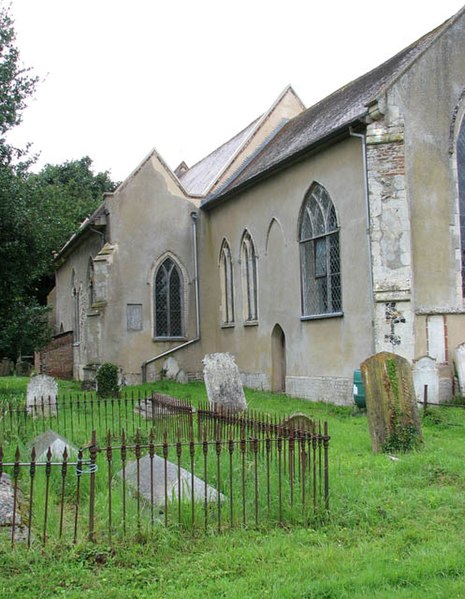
x,y
90,282
319,254
461,178
226,281
168,300
249,278
76,308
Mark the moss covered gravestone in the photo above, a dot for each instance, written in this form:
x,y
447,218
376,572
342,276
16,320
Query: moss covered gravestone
x,y
391,403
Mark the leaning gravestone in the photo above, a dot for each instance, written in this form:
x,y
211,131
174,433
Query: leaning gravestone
x,y
172,483
459,359
223,383
56,443
425,373
42,391
391,403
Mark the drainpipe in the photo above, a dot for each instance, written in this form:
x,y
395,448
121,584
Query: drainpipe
x,y
362,138
194,217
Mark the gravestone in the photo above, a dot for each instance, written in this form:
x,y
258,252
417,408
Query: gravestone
x,y
23,368
459,360
173,372
391,403
57,445
223,383
6,367
172,488
299,422
425,372
42,393
6,509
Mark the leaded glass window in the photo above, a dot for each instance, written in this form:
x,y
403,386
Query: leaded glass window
x,y
249,278
461,175
319,254
227,287
168,300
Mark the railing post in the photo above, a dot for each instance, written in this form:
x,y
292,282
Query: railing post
x,y
93,457
326,465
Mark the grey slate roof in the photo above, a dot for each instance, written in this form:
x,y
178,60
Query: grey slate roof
x,y
332,114
198,179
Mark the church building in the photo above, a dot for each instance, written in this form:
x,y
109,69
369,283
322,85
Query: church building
x,y
309,241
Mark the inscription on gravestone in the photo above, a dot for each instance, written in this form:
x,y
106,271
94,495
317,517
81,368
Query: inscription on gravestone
x,y
42,391
391,403
223,382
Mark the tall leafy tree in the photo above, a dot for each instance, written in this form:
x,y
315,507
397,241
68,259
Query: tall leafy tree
x,y
38,212
18,268
60,197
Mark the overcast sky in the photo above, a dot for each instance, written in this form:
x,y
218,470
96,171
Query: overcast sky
x,y
119,78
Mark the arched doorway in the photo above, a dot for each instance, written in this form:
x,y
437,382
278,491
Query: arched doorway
x,y
278,360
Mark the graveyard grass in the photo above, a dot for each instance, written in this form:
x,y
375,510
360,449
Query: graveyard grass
x,y
395,529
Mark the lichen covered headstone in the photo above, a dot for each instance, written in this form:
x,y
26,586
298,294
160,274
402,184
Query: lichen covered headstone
x,y
223,383
42,391
391,403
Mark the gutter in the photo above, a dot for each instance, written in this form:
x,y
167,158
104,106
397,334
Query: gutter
x,y
194,217
362,137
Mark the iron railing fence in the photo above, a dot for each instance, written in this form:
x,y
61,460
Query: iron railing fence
x,y
77,415
122,487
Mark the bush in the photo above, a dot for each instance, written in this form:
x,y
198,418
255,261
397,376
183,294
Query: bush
x,y
107,380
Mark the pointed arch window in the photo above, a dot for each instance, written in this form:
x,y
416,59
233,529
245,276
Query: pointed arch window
x,y
249,278
90,282
319,255
168,300
227,286
461,178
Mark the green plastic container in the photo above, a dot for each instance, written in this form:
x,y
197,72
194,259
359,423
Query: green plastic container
x,y
359,389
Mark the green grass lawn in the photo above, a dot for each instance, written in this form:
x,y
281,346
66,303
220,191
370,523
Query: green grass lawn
x,y
395,529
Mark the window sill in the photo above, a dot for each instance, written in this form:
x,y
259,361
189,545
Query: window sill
x,y
322,316
157,339
251,323
228,325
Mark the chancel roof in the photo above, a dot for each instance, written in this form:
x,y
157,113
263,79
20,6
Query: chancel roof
x,y
324,119
198,179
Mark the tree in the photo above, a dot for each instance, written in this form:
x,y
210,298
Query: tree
x,y
17,85
38,212
60,198
18,267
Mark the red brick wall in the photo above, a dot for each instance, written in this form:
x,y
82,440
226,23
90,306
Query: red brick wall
x,y
57,358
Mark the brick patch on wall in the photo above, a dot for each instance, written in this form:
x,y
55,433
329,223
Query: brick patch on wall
x,y
57,358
